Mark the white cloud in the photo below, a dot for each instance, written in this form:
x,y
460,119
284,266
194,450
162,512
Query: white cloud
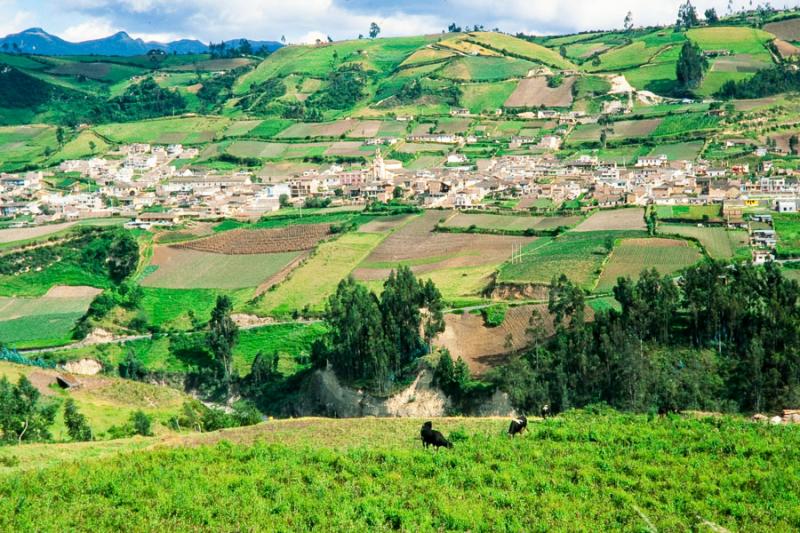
x,y
159,37
13,20
88,30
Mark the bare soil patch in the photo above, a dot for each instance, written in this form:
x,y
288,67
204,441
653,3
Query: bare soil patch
x,y
617,219
64,291
21,234
534,92
264,241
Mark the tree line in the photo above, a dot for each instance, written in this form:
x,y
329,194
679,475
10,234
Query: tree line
x,y
723,337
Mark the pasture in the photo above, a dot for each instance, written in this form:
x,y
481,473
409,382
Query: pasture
x,y
720,243
191,269
535,92
679,151
485,97
183,130
593,470
631,256
614,219
21,145
11,235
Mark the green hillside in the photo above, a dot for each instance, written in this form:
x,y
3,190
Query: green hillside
x,y
594,470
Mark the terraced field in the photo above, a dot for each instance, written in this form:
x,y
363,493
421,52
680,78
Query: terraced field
x,y
535,92
510,222
615,219
720,243
292,238
183,130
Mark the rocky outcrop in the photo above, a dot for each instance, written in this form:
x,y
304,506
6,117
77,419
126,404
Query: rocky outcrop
x,y
326,396
83,367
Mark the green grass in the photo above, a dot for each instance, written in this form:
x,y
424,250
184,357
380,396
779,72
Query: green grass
x,y
270,128
170,307
184,130
311,284
482,97
45,329
578,255
482,68
291,341
33,284
679,151
690,213
686,123
24,145
720,243
738,39
788,229
522,48
580,471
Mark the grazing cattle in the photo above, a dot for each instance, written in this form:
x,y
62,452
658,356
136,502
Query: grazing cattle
x,y
545,410
431,437
518,426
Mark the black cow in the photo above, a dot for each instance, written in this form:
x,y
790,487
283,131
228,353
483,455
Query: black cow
x,y
518,425
431,437
545,410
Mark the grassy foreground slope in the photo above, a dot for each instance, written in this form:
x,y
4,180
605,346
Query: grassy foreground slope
x,y
596,471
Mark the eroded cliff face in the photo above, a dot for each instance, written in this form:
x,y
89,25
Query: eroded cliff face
x,y
326,396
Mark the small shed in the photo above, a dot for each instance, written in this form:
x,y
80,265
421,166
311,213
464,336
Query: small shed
x,y
68,381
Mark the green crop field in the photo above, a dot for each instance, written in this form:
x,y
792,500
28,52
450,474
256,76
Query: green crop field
x,y
20,145
482,97
599,471
690,213
720,243
185,130
631,256
521,48
679,151
788,228
642,51
27,322
738,39
310,284
292,342
578,255
483,68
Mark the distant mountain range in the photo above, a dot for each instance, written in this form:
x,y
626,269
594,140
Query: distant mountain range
x,y
38,41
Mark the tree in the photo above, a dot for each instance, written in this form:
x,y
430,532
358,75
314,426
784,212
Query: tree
x,y
264,368
711,16
60,136
223,335
603,138
123,256
141,423
92,146
793,143
691,66
563,51
627,25
23,417
687,16
131,367
283,200
374,30
454,28
77,426
283,39
398,193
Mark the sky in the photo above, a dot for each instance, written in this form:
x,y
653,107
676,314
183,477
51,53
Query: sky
x,y
305,20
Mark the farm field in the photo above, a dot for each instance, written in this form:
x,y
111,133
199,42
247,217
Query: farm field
x,y
788,30
170,307
534,92
788,229
482,68
417,246
674,474
190,269
690,213
311,283
183,130
720,243
579,255
510,222
631,256
615,219
519,47
482,97
43,321
679,151
624,129
261,241
19,145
